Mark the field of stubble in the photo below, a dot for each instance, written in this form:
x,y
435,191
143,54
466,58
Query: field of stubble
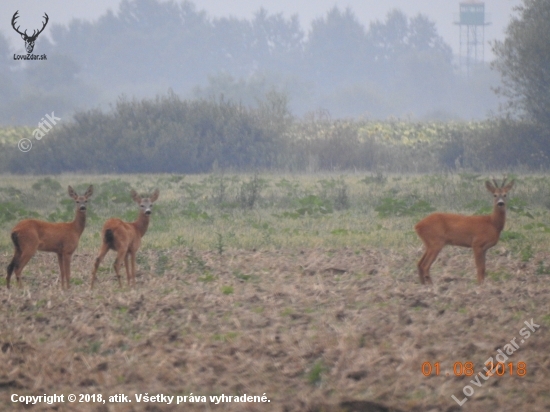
x,y
303,289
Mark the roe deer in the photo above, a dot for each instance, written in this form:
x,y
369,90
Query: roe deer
x,y
30,235
125,238
477,232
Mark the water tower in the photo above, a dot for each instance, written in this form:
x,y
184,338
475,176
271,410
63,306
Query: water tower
x,y
472,33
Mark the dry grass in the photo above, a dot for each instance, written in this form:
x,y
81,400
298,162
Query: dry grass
x,y
315,320
311,328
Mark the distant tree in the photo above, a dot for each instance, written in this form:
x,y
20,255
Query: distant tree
x,y
230,44
423,37
523,59
277,43
398,39
389,38
337,50
58,71
246,91
267,43
411,60
146,41
5,52
8,84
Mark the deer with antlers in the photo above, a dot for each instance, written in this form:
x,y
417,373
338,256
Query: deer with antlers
x,y
29,40
125,238
30,235
477,232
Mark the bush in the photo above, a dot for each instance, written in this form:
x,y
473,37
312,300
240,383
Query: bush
x,y
170,135
507,144
162,135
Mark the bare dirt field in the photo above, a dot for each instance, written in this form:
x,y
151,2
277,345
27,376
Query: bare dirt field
x,y
314,329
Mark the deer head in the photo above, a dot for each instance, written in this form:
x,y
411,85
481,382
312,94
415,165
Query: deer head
x,y
81,201
145,203
499,193
29,40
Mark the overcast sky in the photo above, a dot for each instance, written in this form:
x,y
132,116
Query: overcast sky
x,y
443,12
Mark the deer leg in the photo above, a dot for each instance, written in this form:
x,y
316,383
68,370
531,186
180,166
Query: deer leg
x,y
133,253
98,260
420,265
479,256
14,264
60,260
67,269
128,273
26,255
118,262
428,260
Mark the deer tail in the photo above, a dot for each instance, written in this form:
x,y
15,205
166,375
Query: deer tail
x,y
109,238
15,261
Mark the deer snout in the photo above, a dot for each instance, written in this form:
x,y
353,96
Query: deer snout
x,y
82,208
500,203
148,211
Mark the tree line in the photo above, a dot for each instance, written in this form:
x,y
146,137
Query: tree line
x,y
399,66
216,131
168,134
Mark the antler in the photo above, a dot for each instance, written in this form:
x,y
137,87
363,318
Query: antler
x,y
34,33
15,16
504,180
43,26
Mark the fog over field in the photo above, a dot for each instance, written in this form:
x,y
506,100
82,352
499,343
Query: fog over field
x,y
444,13
288,177
348,58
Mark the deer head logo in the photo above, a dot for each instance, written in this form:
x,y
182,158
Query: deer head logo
x,y
29,40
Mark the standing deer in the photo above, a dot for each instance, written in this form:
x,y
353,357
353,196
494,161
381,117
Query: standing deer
x,y
30,235
125,238
477,232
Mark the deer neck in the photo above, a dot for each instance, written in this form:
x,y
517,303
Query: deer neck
x,y
79,222
142,223
499,217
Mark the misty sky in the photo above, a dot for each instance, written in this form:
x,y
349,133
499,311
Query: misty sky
x,y
443,12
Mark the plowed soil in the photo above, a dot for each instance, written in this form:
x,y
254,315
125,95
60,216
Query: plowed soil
x,y
314,330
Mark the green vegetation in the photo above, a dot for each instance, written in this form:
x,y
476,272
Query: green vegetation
x,y
312,289
280,211
314,376
10,135
522,60
208,136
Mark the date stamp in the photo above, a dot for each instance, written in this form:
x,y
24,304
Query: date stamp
x,y
468,369
490,368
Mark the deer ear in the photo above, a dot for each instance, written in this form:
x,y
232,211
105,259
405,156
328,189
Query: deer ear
x,y
135,196
72,193
89,192
509,186
155,196
490,187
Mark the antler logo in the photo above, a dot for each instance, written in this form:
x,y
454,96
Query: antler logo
x,y
29,40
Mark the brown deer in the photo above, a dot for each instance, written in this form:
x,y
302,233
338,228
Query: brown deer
x,y
30,235
125,238
477,232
